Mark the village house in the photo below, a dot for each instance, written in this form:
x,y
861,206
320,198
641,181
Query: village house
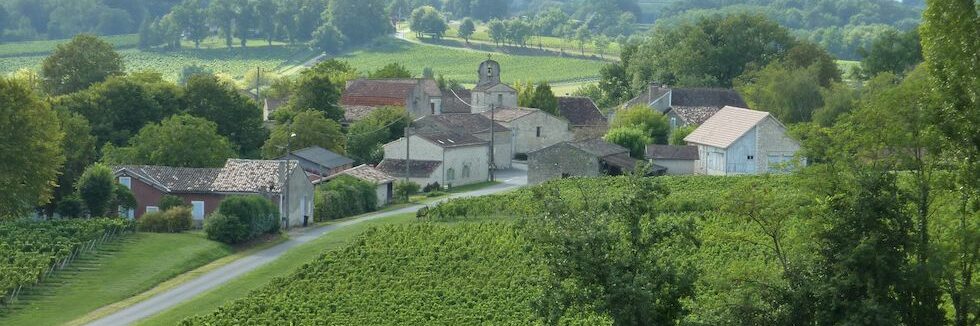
x,y
473,124
531,129
447,158
319,162
419,96
678,159
588,158
382,181
742,141
203,189
583,116
687,106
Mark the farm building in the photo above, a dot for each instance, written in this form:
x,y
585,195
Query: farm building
x,y
420,97
472,124
742,141
589,158
319,162
532,129
382,181
584,117
451,159
687,106
678,159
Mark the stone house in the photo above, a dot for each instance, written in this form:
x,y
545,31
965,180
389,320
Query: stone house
x,y
451,159
473,124
531,129
384,183
687,106
584,117
741,141
204,189
589,158
319,162
420,97
677,159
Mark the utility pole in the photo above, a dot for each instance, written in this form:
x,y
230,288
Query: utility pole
x,y
285,178
258,80
492,165
408,161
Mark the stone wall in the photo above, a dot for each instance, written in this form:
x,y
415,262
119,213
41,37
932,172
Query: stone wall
x,y
558,161
526,138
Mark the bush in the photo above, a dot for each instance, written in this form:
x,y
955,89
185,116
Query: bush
x,y
170,201
256,212
344,196
329,205
432,187
174,220
404,189
435,194
71,206
225,228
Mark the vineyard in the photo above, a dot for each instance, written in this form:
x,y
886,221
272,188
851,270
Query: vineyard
x,y
32,250
477,273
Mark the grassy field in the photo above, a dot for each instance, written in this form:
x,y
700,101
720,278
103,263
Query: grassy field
x,y
290,261
461,64
21,49
118,271
570,46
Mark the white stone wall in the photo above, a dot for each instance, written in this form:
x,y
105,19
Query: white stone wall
x,y
500,96
773,142
526,140
676,167
421,149
300,198
712,162
503,147
381,191
457,158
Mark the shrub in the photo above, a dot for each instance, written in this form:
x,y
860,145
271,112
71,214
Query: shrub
x,y
174,220
432,187
404,189
345,196
225,228
256,212
435,194
70,206
170,201
328,205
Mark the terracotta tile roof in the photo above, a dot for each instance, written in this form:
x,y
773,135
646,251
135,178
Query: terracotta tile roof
x,y
672,152
249,176
172,179
367,173
580,111
451,139
726,126
694,115
469,123
419,168
381,92
456,101
509,114
319,158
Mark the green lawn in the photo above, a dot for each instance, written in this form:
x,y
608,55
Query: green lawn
x,y
290,261
119,270
30,48
572,47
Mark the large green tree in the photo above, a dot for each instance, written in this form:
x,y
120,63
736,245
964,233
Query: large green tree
x,y
632,138
308,128
653,124
96,187
893,52
951,50
792,95
359,20
221,14
30,146
391,70
181,140
191,17
238,117
427,20
315,90
365,137
80,148
83,61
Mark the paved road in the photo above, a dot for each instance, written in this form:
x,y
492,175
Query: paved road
x,y
510,179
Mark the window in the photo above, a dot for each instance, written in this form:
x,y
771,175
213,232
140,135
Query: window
x,y
500,99
432,108
751,157
466,171
538,131
450,174
151,209
126,181
673,122
198,210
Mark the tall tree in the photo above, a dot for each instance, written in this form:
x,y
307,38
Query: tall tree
x,y
633,139
893,52
951,50
266,19
191,16
221,14
314,90
120,106
391,70
644,118
245,19
327,39
359,20
80,151
466,29
544,99
181,140
237,117
792,95
30,146
311,128
76,65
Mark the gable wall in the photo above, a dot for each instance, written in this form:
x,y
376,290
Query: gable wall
x,y
553,131
563,159
421,149
774,144
742,156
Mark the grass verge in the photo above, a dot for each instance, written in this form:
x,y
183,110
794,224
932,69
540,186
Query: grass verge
x,y
119,270
289,261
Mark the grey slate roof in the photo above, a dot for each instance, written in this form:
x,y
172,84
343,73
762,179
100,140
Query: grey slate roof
x,y
508,114
249,176
580,111
316,157
446,139
470,123
599,147
717,97
648,95
418,169
172,179
452,104
672,152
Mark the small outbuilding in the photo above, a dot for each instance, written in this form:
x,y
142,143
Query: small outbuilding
x,y
741,141
319,162
678,159
383,182
589,158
